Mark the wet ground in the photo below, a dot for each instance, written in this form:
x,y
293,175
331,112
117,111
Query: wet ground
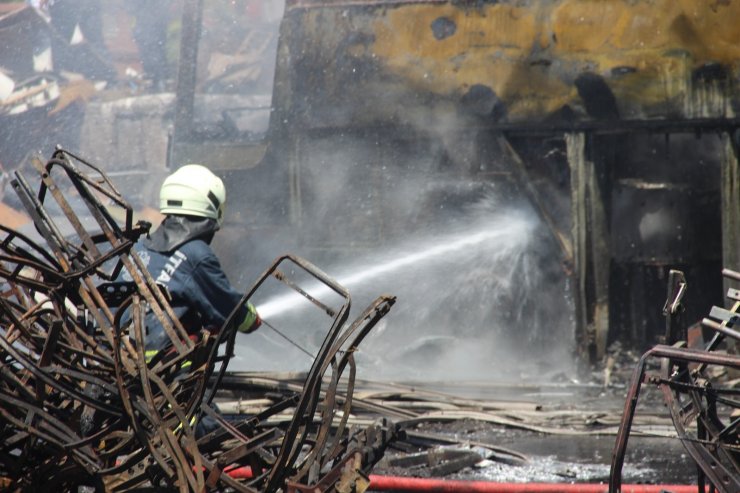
x,y
649,460
562,458
569,459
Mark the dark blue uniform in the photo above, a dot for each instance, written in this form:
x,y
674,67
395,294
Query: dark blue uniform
x,y
201,295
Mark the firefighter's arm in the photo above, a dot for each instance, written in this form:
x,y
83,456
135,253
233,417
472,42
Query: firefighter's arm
x,y
215,297
252,320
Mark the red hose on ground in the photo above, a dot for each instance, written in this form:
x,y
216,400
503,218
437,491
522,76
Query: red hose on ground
x,y
391,483
396,483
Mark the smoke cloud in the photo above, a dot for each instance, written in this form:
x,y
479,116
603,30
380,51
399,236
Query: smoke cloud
x,y
480,291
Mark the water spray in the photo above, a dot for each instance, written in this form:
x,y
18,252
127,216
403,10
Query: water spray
x,y
442,245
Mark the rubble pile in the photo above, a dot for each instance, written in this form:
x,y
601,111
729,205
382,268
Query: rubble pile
x,y
81,406
692,378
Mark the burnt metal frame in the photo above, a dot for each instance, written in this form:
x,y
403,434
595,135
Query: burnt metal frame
x,y
691,397
68,365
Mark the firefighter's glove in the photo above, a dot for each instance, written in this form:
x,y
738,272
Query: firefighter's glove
x,y
252,320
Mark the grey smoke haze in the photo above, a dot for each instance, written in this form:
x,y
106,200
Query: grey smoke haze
x,y
480,291
480,294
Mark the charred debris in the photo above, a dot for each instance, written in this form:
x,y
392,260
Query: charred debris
x,y
81,407
695,380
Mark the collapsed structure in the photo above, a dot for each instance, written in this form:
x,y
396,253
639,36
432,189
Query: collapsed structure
x,y
565,90
81,406
693,380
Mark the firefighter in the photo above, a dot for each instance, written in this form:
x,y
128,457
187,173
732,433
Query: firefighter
x,y
179,258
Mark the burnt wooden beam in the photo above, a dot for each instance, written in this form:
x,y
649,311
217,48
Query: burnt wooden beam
x,y
187,69
591,251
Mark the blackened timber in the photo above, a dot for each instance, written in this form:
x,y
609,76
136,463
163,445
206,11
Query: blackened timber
x,y
591,253
187,69
730,199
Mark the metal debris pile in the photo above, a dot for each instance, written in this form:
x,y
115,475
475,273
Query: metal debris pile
x,y
694,381
79,404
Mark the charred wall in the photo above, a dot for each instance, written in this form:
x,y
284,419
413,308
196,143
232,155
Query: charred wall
x,y
441,83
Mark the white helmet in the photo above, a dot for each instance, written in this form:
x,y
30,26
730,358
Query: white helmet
x,y
195,191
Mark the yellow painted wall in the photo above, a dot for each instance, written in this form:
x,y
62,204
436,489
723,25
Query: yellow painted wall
x,y
530,52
